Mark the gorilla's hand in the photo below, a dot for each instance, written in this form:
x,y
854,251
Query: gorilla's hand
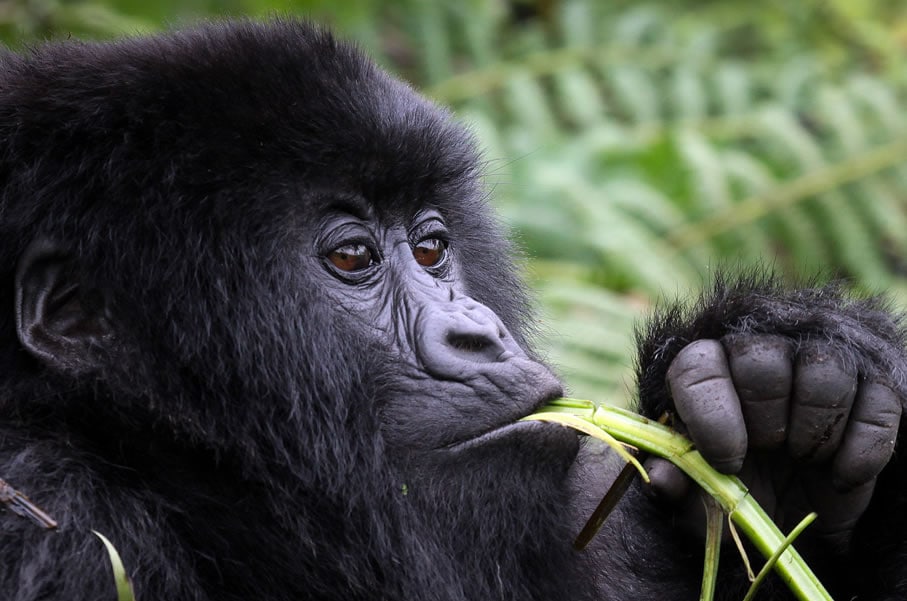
x,y
803,429
799,393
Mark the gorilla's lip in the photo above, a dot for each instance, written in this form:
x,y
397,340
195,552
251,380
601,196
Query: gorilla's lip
x,y
517,425
550,431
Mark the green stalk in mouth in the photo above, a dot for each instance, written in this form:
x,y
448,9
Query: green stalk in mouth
x,y
619,427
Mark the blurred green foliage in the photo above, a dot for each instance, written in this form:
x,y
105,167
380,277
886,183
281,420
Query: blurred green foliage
x,y
634,146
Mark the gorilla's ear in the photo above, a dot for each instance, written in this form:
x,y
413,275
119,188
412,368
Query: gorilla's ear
x,y
52,320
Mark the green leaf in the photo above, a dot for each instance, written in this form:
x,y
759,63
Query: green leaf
x,y
123,585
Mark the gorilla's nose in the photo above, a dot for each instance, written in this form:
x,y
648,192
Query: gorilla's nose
x,y
475,337
459,339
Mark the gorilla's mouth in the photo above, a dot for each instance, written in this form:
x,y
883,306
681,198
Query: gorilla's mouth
x,y
534,432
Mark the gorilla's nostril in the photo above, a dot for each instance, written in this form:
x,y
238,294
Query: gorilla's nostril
x,y
470,343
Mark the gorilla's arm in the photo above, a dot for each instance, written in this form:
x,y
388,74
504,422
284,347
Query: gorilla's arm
x,y
799,393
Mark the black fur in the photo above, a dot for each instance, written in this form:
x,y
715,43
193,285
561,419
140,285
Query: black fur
x,y
244,421
865,331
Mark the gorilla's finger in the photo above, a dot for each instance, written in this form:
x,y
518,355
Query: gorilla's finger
x,y
838,511
870,436
823,393
700,382
762,367
667,480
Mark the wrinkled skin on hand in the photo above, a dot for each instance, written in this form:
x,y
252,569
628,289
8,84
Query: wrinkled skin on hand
x,y
807,417
801,428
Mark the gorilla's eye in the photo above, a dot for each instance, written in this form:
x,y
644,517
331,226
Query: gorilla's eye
x,y
351,257
430,252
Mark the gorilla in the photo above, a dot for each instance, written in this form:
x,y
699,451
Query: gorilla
x,y
261,329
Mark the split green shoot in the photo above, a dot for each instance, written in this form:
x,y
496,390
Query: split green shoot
x,y
619,427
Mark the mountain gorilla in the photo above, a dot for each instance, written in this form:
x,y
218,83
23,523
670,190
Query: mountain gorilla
x,y
261,330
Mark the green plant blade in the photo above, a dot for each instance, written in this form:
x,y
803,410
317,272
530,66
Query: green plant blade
x,y
124,587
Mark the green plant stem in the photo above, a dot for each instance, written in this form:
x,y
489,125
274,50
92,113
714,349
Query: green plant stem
x,y
472,84
763,573
714,519
728,491
806,186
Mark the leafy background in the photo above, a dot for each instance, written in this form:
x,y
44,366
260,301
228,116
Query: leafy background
x,y
633,146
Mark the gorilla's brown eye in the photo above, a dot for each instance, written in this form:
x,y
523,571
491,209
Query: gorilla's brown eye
x,y
429,252
351,257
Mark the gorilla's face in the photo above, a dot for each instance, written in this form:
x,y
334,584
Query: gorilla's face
x,y
460,378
